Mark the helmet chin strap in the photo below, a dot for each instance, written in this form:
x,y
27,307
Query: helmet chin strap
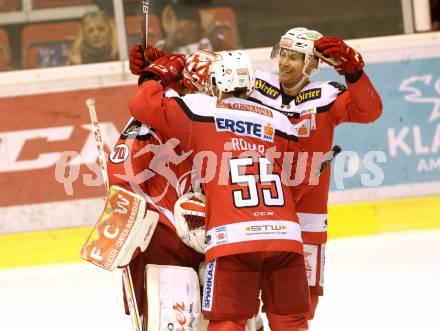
x,y
295,89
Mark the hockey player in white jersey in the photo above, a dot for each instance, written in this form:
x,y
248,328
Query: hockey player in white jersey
x,y
317,108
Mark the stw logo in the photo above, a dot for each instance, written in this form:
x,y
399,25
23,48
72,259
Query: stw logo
x,y
417,92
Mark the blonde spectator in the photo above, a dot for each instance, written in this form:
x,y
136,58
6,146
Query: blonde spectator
x,y
96,40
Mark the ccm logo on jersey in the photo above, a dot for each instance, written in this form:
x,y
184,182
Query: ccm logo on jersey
x,y
119,153
245,128
263,213
313,94
266,89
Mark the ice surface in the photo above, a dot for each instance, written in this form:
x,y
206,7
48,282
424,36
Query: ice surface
x,y
384,283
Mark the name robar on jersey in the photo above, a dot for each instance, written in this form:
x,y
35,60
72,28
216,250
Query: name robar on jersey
x,y
316,110
235,144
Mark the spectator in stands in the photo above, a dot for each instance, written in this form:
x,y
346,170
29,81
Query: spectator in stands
x,y
186,30
96,40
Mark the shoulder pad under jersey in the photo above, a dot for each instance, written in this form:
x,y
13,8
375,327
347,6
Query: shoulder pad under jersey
x,y
197,106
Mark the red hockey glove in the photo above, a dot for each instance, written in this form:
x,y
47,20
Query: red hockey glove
x,y
139,60
336,53
167,68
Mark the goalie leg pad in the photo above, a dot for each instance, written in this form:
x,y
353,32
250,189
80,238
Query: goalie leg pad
x,y
173,298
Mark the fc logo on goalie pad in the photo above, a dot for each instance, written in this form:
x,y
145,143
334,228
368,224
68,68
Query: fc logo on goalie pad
x,y
124,225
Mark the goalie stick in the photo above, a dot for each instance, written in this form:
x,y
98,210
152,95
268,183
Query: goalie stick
x,y
126,275
98,138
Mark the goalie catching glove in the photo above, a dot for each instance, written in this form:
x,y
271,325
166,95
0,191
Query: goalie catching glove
x,y
339,55
189,214
125,226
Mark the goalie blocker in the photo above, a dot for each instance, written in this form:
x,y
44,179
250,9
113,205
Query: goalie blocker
x,y
125,225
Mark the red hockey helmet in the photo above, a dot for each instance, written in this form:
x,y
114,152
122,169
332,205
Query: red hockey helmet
x,y
195,72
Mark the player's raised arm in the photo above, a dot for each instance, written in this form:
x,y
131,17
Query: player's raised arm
x,y
150,106
360,102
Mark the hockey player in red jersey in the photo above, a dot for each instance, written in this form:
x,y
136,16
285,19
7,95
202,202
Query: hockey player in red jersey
x,y
146,163
318,108
252,230
143,161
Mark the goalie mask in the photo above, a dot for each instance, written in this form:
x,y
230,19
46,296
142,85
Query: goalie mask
x,y
195,72
189,215
300,40
232,71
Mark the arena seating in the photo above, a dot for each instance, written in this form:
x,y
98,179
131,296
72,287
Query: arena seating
x,y
39,4
10,5
226,23
5,51
133,27
44,45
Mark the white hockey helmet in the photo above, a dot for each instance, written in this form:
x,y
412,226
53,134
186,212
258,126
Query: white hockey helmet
x,y
300,40
195,72
232,71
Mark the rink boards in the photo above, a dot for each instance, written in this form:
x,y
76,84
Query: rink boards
x,y
47,209
63,245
